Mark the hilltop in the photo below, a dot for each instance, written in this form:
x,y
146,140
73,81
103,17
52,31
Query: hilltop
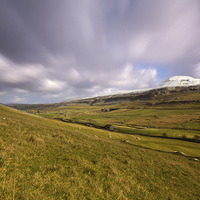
x,y
178,81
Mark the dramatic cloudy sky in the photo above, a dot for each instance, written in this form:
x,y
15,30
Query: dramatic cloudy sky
x,y
51,50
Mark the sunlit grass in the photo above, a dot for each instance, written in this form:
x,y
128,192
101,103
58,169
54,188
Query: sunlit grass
x,y
176,122
48,159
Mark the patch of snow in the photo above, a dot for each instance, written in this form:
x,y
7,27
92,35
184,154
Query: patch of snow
x,y
179,81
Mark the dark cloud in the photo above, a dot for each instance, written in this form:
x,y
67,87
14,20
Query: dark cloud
x,y
51,50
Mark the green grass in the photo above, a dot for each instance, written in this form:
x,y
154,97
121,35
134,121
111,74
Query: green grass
x,y
47,159
177,122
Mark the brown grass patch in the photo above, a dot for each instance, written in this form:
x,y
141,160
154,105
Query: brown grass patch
x,y
36,140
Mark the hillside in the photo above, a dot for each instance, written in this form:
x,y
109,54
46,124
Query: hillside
x,y
47,159
171,95
190,93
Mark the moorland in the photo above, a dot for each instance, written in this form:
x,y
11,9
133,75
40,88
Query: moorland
x,y
127,146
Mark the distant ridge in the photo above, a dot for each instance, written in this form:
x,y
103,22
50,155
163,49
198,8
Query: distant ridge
x,y
176,81
174,84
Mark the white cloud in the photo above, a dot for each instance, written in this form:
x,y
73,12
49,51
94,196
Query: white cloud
x,y
132,78
51,85
19,76
15,73
94,46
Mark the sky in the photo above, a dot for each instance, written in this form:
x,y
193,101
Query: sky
x,y
51,50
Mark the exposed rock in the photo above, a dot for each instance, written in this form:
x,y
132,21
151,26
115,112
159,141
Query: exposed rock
x,y
125,141
180,153
110,127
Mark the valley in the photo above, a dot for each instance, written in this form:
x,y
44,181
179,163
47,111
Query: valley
x,y
100,100
164,112
146,147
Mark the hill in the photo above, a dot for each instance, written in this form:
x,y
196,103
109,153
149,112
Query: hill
x,y
175,84
139,145
47,159
190,93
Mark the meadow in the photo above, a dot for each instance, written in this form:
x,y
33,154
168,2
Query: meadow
x,y
50,159
179,122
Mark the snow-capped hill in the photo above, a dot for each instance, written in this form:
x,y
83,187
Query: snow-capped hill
x,y
179,81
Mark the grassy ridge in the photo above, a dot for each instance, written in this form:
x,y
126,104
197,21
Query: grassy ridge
x,y
47,159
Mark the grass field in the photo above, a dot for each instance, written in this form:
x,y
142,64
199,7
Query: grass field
x,y
48,159
177,122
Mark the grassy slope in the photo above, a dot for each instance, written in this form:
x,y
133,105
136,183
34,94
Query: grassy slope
x,y
46,159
